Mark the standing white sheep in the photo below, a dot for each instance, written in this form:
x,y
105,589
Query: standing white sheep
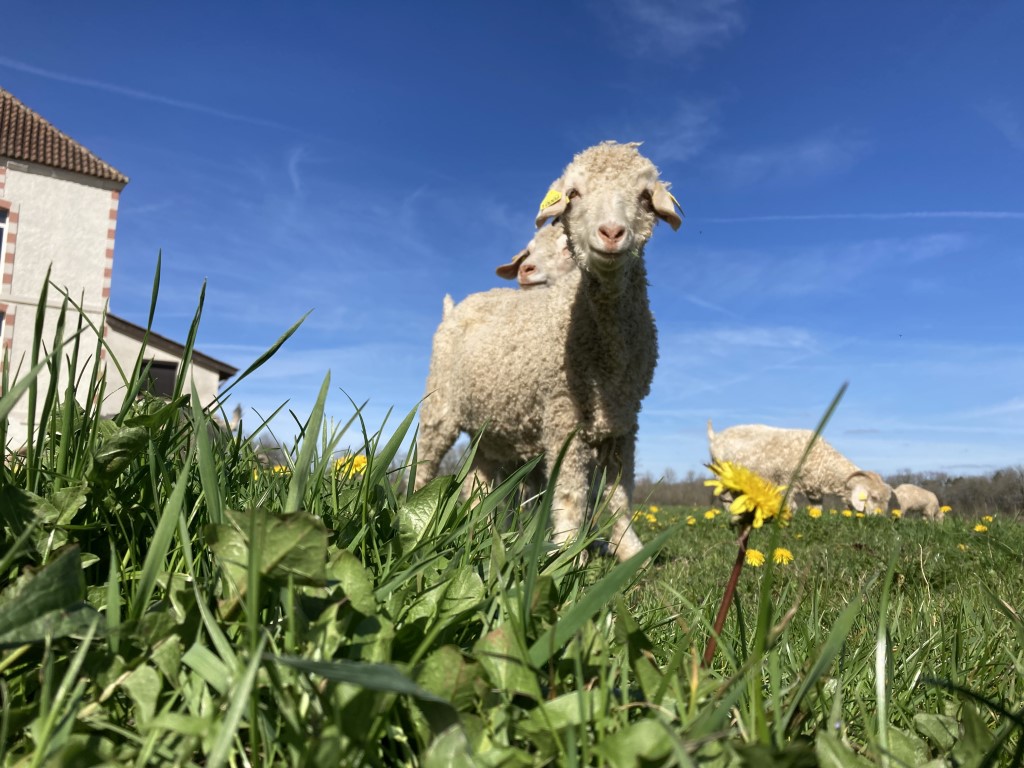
x,y
774,453
915,500
587,362
544,260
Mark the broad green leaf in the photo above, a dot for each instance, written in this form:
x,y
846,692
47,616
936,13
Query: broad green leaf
x,y
570,709
294,545
448,674
48,602
832,753
645,742
450,750
976,738
906,749
506,664
463,591
941,730
355,581
143,686
115,452
68,501
414,515
374,677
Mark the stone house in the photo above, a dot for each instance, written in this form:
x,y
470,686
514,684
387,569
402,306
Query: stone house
x,y
58,210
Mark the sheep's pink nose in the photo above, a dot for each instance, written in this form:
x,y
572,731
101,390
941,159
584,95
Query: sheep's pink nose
x,y
612,234
527,269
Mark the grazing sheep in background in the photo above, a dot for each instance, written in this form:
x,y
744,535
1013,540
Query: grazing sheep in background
x,y
587,362
545,259
914,500
774,453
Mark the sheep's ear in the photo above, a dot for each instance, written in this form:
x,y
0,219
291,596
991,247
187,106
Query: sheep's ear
x,y
554,204
511,270
665,206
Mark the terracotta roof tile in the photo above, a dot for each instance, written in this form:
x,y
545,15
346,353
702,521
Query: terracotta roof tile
x,y
26,136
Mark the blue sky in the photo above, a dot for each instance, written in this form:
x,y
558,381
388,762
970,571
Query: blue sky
x,y
852,176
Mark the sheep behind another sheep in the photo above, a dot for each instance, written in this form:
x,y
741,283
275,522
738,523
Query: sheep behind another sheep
x,y
915,500
774,453
545,259
594,360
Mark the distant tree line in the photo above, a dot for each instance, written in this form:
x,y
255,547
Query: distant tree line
x,y
998,493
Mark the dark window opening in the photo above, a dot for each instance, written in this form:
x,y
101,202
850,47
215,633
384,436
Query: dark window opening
x,y
159,376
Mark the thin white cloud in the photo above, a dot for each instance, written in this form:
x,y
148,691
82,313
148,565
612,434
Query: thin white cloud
x,y
134,93
670,27
684,134
806,159
1007,121
894,216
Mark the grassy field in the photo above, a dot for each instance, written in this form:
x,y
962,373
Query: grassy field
x,y
167,599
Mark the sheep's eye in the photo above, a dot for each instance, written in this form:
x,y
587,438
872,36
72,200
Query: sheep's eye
x,y
646,200
573,194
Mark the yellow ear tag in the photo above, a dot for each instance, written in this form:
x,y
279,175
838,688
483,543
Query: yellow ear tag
x,y
552,197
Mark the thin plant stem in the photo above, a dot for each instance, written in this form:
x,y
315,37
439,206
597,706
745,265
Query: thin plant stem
x,y
730,590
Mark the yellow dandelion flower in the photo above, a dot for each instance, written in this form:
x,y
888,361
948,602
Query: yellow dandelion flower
x,y
962,547
754,558
799,535
833,512
710,514
653,509
979,528
755,499
691,520
987,519
944,509
814,512
638,514
847,513
859,514
651,518
350,465
897,513
782,556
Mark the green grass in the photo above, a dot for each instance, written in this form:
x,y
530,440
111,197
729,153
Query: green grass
x,y
165,599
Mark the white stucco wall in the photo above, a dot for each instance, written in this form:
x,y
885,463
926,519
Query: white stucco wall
x,y
56,219
62,222
125,350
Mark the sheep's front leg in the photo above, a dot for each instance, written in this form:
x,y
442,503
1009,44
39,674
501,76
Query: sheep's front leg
x,y
618,459
569,506
624,542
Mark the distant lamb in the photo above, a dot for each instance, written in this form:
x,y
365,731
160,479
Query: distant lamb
x,y
544,259
915,500
587,362
774,453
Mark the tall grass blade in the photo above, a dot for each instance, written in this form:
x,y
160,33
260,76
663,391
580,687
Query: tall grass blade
x,y
156,554
596,597
297,486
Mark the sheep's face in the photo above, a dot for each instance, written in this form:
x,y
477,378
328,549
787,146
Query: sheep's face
x,y
868,493
609,198
545,259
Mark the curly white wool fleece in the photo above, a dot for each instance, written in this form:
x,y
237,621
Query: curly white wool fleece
x,y
586,362
774,453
